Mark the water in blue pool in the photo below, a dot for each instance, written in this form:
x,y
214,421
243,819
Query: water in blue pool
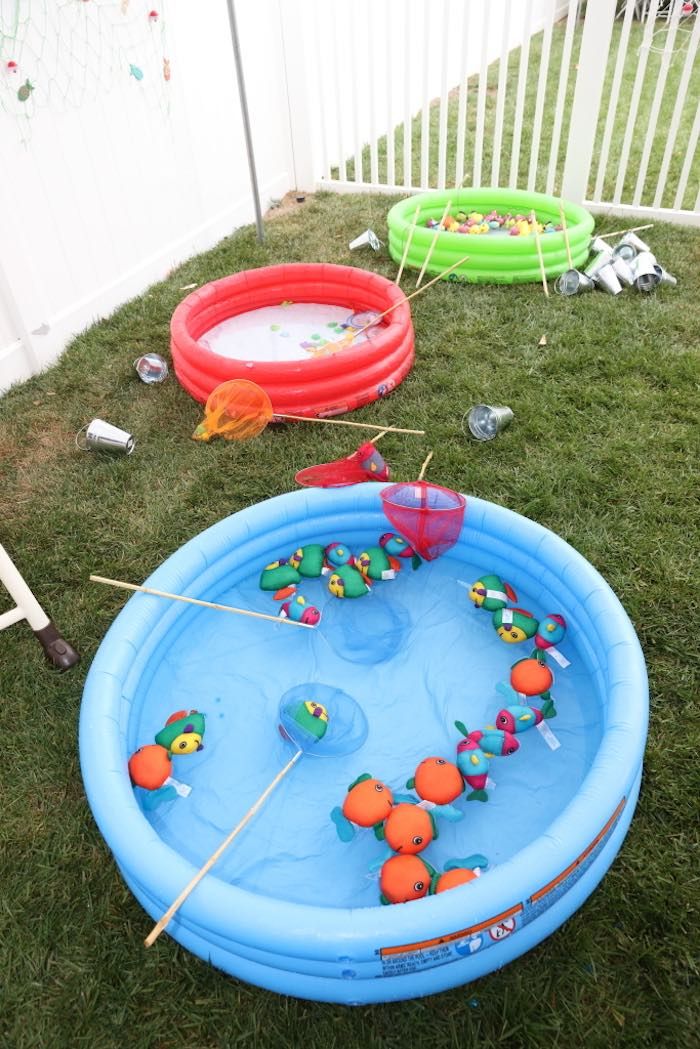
x,y
416,655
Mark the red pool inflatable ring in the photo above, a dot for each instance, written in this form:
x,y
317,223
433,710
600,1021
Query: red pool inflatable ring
x,y
329,385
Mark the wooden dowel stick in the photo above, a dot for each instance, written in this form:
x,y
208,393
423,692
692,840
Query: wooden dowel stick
x,y
431,249
538,245
378,436
346,422
565,231
424,467
174,907
195,601
408,245
619,232
413,294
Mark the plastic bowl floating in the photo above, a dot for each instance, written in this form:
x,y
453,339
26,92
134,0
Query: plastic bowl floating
x,y
289,906
277,325
494,258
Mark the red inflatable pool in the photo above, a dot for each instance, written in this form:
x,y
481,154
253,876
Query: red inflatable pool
x,y
279,326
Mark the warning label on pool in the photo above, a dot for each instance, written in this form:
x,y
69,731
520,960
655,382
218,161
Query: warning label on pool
x,y
425,954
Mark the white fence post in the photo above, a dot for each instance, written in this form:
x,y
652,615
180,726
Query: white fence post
x,y
300,103
592,65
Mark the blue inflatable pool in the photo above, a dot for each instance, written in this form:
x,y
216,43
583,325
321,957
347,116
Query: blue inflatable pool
x,y
290,906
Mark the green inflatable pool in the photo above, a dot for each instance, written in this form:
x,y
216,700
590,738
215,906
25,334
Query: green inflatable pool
x,y
494,258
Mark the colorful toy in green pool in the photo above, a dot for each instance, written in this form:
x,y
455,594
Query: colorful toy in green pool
x,y
518,717
299,609
474,763
551,631
438,783
280,577
367,804
308,560
397,547
406,878
347,581
182,733
374,563
514,624
310,717
491,593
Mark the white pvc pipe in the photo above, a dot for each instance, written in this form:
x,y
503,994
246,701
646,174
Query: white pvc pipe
x,y
18,590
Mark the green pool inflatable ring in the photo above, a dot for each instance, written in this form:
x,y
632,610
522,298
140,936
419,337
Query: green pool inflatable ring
x,y
493,258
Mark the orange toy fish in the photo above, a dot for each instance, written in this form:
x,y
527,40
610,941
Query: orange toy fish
x,y
409,829
367,804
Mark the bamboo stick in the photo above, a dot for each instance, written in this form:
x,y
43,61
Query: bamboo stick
x,y
620,232
538,245
424,467
348,422
195,601
408,245
565,231
431,249
412,295
175,906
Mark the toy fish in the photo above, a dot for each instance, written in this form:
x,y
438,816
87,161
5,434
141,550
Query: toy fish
x,y
136,73
406,878
374,563
491,593
312,717
338,554
519,718
182,733
409,829
367,804
514,624
308,560
530,677
347,581
150,768
298,609
280,576
495,743
438,783
474,766
396,546
550,632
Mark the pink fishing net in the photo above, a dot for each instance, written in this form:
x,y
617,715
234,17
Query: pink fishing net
x,y
428,516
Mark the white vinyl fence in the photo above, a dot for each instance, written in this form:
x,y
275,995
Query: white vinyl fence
x,y
595,101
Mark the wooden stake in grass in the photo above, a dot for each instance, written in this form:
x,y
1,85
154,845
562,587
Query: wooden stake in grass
x,y
565,231
440,228
538,245
195,601
408,245
174,907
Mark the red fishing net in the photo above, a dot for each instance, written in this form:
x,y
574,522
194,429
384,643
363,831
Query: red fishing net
x,y
366,464
428,516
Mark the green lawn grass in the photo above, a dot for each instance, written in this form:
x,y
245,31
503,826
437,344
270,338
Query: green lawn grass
x,y
668,101
603,450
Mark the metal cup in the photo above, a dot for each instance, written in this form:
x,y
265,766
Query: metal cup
x,y
644,268
103,437
624,251
606,278
603,258
636,242
484,421
624,271
665,277
369,237
598,244
573,282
